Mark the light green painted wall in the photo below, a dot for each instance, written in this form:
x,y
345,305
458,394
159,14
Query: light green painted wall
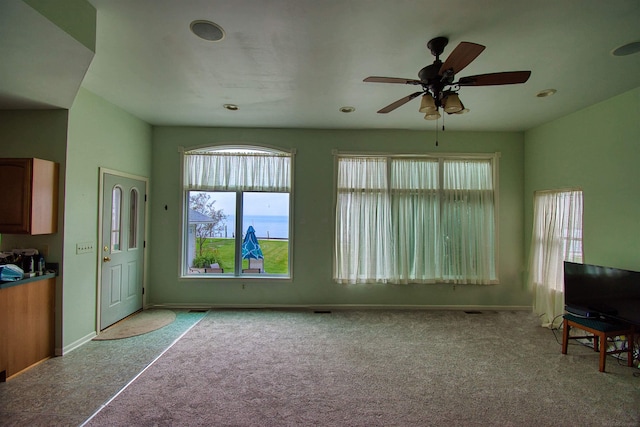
x,y
313,220
100,135
598,150
93,134
42,134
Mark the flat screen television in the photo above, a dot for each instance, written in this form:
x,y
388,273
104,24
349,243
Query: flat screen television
x,y
597,291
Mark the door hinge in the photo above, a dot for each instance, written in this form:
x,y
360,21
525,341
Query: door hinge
x,y
145,197
142,291
144,243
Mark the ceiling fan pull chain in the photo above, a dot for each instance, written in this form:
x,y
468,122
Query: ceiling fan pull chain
x,y
436,132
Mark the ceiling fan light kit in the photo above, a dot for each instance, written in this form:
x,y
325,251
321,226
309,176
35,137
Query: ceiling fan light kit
x,y
432,115
452,103
439,88
427,104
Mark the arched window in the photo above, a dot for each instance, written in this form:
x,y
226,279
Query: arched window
x,y
237,212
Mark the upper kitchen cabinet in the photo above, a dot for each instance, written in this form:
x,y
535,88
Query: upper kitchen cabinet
x,y
29,196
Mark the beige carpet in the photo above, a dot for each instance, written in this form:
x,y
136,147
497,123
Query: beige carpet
x,y
375,368
138,324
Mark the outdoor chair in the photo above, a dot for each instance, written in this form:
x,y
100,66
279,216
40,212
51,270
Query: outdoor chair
x,y
255,266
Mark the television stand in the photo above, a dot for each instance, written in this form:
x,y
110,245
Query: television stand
x,y
600,330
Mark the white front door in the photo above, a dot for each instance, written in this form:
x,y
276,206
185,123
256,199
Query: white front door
x,y
122,251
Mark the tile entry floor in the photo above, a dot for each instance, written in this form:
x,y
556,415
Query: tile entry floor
x,y
68,390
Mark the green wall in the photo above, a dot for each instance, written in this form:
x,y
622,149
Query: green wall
x,y
100,135
93,134
598,150
313,221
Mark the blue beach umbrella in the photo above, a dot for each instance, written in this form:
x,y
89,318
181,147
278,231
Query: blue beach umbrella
x,y
250,245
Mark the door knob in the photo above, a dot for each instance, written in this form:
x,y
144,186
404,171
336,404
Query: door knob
x,y
106,259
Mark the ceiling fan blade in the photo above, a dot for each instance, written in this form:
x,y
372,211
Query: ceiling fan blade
x,y
399,102
461,56
491,79
374,79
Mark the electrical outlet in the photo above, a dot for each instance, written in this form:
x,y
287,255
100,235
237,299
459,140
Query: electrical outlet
x,y
84,248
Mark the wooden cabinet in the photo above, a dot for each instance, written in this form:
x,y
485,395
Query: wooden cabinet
x,y
27,333
29,196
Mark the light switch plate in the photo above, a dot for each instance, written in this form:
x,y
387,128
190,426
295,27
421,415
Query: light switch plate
x,y
84,248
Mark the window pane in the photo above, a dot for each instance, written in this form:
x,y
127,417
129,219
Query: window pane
x,y
442,225
556,237
116,209
267,250
415,219
468,222
211,232
133,219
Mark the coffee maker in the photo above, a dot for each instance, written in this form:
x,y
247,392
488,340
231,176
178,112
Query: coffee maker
x,y
29,260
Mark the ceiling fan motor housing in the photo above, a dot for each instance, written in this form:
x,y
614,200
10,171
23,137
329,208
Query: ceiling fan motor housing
x,y
430,72
432,80
437,45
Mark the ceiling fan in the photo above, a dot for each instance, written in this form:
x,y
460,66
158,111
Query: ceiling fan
x,y
439,90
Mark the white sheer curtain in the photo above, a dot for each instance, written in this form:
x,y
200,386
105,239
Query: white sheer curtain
x,y
414,220
221,171
414,195
556,237
363,220
468,223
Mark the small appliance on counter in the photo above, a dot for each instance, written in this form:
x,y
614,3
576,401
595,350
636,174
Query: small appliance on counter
x,y
8,258
30,260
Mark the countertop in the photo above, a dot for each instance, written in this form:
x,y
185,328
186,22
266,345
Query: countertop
x,y
4,285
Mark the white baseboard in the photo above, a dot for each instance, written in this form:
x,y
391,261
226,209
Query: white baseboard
x,y
68,348
344,307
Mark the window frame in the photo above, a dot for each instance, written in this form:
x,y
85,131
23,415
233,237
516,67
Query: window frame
x,y
237,273
545,275
539,243
441,158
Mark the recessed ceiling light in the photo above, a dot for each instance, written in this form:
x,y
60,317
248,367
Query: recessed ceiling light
x,y
626,49
207,30
347,109
545,93
231,107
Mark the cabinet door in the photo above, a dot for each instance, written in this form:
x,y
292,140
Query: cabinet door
x,y
44,197
27,333
15,209
29,196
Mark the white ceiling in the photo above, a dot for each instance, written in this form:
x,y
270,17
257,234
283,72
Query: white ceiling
x,y
294,63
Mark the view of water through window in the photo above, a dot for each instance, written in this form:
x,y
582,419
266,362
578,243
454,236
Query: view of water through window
x,y
266,226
